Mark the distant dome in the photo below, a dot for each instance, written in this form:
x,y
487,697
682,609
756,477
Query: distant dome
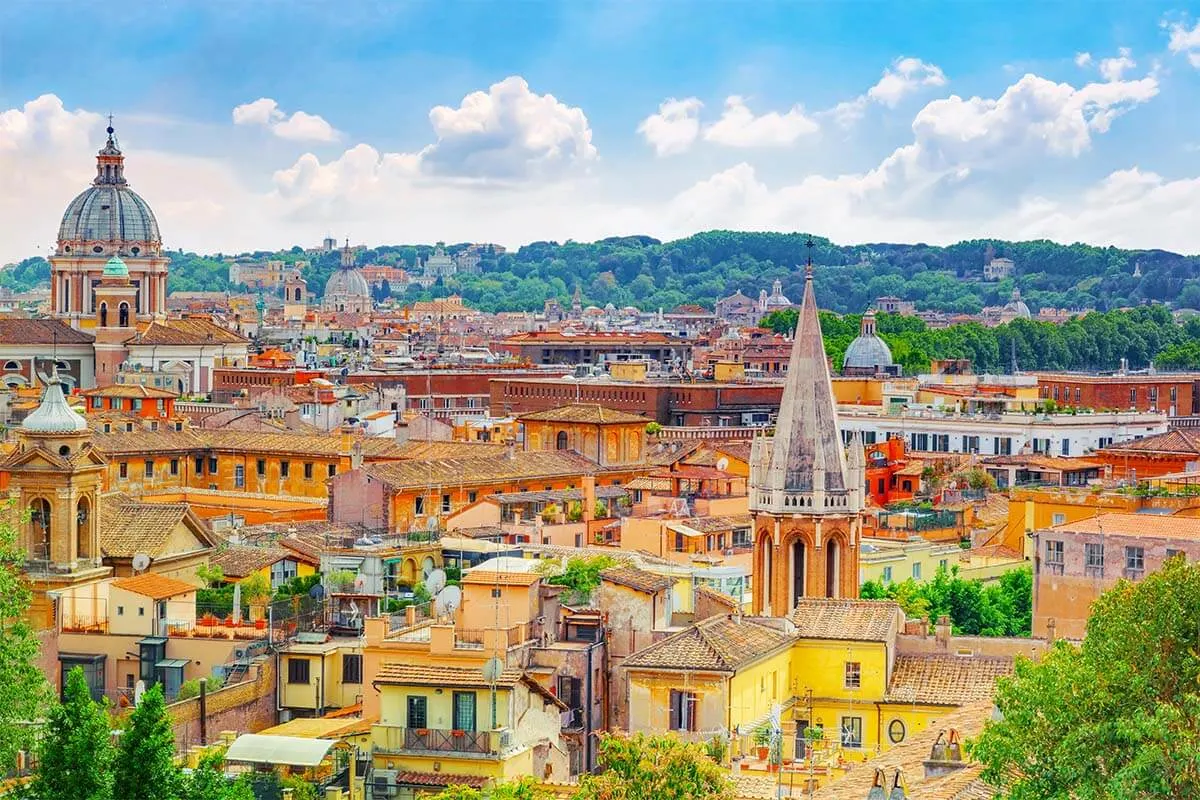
x,y
347,283
1016,306
867,352
115,268
53,415
108,210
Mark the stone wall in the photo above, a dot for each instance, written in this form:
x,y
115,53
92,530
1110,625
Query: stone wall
x,y
246,707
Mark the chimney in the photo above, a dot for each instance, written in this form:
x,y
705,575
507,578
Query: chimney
x,y
943,632
1051,633
589,498
510,448
356,455
883,789
945,756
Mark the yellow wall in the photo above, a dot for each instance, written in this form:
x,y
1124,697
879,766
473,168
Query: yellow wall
x,y
439,706
755,689
820,666
858,391
337,693
185,475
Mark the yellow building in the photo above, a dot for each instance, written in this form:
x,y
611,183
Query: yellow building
x,y
277,565
897,560
317,676
609,437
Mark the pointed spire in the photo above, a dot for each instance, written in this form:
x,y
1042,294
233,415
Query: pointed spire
x,y
53,414
110,163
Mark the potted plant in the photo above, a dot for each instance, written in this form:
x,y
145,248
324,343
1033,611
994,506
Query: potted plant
x,y
257,591
762,742
260,624
776,754
718,748
209,620
229,623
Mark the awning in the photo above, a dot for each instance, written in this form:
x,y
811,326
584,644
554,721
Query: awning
x,y
177,663
679,527
293,751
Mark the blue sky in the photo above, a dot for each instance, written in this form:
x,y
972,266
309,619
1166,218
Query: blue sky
x,y
863,121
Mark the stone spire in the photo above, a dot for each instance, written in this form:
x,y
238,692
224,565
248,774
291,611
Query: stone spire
x,y
802,468
110,161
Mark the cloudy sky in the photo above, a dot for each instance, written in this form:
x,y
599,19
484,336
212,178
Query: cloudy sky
x,y
265,124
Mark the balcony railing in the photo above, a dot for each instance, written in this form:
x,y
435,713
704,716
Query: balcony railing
x,y
1054,567
390,739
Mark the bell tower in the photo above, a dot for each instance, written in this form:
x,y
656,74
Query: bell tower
x,y
806,497
116,310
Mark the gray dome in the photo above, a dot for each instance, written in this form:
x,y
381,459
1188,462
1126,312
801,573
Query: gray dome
x,y
109,213
347,283
53,415
1016,306
867,351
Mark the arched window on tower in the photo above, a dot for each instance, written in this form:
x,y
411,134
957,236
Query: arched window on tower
x,y
39,523
83,526
104,315
561,442
123,315
297,294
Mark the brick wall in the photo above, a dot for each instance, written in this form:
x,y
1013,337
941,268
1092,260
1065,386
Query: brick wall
x,y
246,707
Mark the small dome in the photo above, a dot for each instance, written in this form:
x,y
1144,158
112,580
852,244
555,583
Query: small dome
x,y
1016,306
867,352
109,212
347,283
54,415
115,268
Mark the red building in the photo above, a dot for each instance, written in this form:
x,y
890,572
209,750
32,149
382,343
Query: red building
x,y
133,399
891,476
1177,394
592,347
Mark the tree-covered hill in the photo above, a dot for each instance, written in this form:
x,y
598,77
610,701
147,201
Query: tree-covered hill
x,y
642,271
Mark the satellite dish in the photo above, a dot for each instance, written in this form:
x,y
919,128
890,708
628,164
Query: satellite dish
x,y
141,562
317,591
431,523
447,601
493,669
722,463
435,581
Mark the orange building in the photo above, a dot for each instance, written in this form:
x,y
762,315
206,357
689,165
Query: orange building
x,y
273,358
132,399
607,436
891,475
1149,457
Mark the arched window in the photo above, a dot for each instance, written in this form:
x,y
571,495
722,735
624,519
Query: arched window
x,y
123,315
297,294
83,538
561,441
11,366
104,315
39,522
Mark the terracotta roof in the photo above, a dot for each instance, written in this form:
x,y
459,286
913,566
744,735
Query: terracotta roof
x,y
1039,461
130,527
143,441
719,597
129,390
910,756
154,586
191,331
1180,440
1151,525
719,524
238,561
440,779
465,471
637,579
857,620
418,675
944,679
41,331
666,453
418,450
738,449
717,644
587,413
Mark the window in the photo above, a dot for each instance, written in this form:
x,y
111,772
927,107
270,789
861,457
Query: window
x,y
199,465
1172,553
853,675
1054,557
331,470
351,668
970,444
297,670
260,467
445,504
1002,446
285,469
120,611
471,496
852,728
917,571
1093,560
569,691
1135,562
887,574
417,711
464,711
174,466
1058,518
1132,395
679,543
137,404
1066,447
683,711
418,505
123,469
212,465
895,730
308,470
239,476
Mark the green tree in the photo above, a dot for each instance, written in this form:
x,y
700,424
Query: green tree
x,y
145,763
24,692
1116,717
581,575
655,768
76,756
524,789
208,781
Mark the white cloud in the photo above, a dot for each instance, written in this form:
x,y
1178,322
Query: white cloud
x,y
674,128
738,127
1111,69
1083,59
1185,40
299,127
904,77
508,133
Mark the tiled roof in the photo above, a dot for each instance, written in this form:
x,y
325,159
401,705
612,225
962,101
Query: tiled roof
x,y
910,756
418,450
718,596
719,524
130,527
1151,525
1180,440
557,495
238,561
857,620
586,413
191,331
667,453
736,449
41,331
717,644
440,779
521,466
944,679
1049,463
638,579
129,390
418,675
154,586
144,441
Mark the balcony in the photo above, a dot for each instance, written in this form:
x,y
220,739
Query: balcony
x,y
399,741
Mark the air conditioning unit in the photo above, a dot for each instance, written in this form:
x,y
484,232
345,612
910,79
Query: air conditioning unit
x,y
383,782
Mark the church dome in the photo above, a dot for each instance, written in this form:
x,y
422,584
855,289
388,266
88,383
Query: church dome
x,y
347,283
867,351
109,211
115,268
53,415
1016,306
